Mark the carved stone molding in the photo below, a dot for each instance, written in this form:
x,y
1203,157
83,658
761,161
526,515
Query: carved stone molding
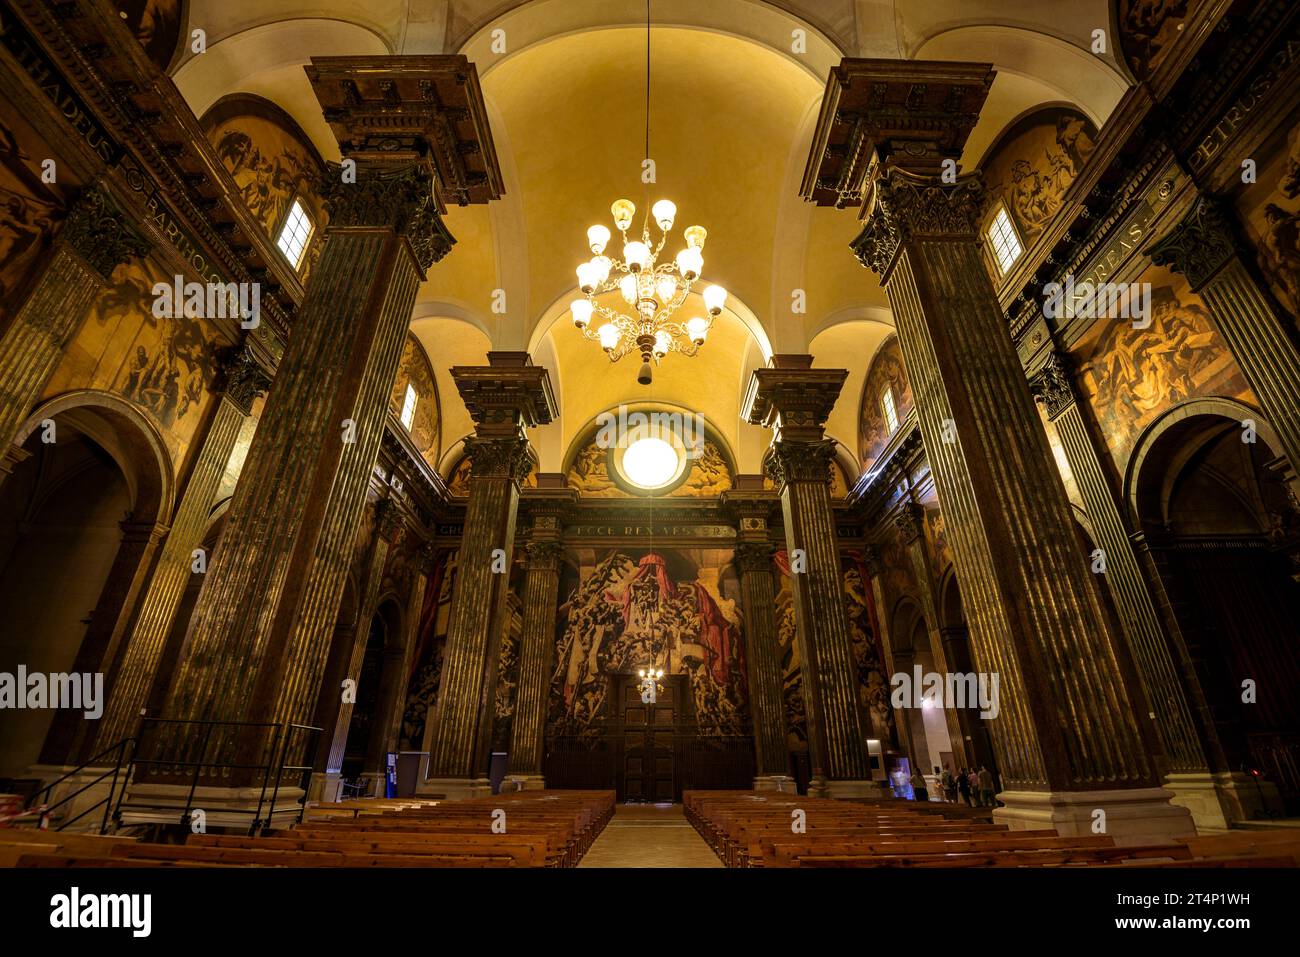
x,y
504,457
400,197
753,557
910,521
1053,385
800,462
903,206
100,233
388,520
242,377
544,556
1199,246
793,399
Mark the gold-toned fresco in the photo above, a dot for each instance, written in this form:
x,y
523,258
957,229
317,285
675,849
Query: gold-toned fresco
x,y
1270,210
156,24
164,365
427,656
886,372
1131,375
1147,30
414,370
29,210
1035,162
675,609
707,475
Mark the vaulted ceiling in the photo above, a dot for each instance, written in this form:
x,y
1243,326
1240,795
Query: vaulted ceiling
x,y
734,97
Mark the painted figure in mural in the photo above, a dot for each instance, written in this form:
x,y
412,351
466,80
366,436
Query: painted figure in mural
x,y
27,208
266,185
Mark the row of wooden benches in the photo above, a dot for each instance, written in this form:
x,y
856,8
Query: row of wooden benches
x,y
525,829
755,829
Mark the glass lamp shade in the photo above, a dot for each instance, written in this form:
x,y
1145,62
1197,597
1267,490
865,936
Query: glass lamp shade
x,y
663,342
664,212
600,268
609,336
695,236
581,309
636,254
715,297
697,329
597,238
623,210
587,280
690,264
666,289
627,286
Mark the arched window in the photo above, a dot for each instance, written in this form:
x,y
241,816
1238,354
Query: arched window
x,y
1003,239
295,233
889,409
408,406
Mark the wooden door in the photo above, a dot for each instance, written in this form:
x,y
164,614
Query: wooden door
x,y
649,739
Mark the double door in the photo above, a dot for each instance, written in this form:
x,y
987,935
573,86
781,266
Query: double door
x,y
650,739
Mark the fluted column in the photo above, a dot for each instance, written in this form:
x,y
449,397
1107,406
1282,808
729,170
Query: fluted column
x,y
258,640
93,240
536,654
388,528
1204,247
243,379
795,400
763,653
504,399
1066,734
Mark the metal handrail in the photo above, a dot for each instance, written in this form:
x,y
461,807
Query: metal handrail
x,y
47,810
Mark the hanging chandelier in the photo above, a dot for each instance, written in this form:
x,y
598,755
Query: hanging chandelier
x,y
652,291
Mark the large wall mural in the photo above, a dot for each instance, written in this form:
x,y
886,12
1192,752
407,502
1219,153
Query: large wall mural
x,y
414,370
1147,29
886,371
29,210
271,161
1033,164
708,474
1270,210
427,656
672,608
166,366
156,24
1130,375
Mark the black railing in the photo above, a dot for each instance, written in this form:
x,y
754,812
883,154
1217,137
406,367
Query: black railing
x,y
45,811
176,749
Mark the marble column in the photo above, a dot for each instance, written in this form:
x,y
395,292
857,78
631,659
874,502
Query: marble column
x,y
504,398
1204,247
94,239
536,652
258,640
763,652
388,529
242,380
1065,731
794,400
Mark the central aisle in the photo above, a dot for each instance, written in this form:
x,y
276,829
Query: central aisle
x,y
646,835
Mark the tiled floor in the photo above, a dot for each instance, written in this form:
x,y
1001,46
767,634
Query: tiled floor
x,y
645,835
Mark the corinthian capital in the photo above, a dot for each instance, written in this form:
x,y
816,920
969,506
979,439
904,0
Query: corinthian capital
x,y
400,197
800,462
1199,245
245,379
903,206
100,233
505,457
753,557
1053,385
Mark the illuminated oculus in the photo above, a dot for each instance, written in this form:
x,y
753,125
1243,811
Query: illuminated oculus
x,y
650,463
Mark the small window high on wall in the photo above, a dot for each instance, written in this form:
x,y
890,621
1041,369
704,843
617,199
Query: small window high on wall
x,y
408,406
294,234
889,409
1002,238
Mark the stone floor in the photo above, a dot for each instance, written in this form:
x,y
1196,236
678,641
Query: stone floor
x,y
646,835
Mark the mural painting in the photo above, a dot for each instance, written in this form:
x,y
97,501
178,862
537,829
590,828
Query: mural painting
x,y
1147,28
1270,211
427,657
156,24
886,372
675,609
414,370
1130,375
707,475
1033,164
29,211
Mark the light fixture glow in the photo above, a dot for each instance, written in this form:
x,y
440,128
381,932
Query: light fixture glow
x,y
636,254
581,309
664,212
650,463
598,238
623,210
715,297
609,335
697,329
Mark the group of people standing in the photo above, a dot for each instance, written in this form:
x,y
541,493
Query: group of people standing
x,y
971,785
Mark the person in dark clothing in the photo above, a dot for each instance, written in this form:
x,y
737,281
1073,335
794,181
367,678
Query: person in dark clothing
x,y
963,786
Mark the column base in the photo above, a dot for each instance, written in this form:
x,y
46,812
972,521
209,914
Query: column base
x,y
1217,800
524,782
776,782
233,808
454,789
1136,816
325,788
